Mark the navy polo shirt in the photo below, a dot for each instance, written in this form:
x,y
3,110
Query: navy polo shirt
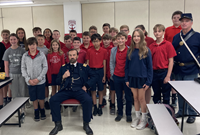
x,y
184,56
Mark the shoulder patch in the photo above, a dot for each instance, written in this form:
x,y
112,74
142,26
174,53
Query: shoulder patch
x,y
85,65
63,65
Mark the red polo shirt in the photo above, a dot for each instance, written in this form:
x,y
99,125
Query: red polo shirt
x,y
170,32
81,57
66,50
61,44
161,54
86,49
33,56
96,57
46,43
120,62
7,45
49,41
128,42
149,40
108,49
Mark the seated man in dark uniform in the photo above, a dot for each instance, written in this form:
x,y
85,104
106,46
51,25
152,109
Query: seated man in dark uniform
x,y
74,84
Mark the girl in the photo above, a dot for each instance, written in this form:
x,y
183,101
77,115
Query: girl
x,y
22,38
55,59
138,75
2,50
48,36
149,41
12,61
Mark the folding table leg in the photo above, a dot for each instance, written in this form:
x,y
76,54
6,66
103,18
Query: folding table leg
x,y
19,117
183,114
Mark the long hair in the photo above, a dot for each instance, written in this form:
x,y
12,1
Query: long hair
x,y
14,35
51,38
59,48
142,28
24,38
143,50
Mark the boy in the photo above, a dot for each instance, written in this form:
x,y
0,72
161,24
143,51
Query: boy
x,y
114,41
56,36
34,69
117,71
68,45
86,41
170,32
81,53
73,34
5,36
107,46
106,28
93,30
125,29
162,59
96,59
41,47
113,31
38,31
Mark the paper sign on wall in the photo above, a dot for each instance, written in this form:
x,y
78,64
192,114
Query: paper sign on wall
x,y
72,25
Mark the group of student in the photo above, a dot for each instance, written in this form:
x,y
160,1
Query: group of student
x,y
128,64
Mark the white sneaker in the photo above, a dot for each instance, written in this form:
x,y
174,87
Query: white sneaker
x,y
28,105
135,122
142,124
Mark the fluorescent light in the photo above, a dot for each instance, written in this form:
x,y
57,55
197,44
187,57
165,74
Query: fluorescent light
x,y
16,3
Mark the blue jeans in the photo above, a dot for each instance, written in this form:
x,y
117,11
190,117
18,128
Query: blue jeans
x,y
120,85
188,109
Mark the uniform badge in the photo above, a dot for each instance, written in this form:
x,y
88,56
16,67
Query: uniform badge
x,y
85,65
181,43
63,65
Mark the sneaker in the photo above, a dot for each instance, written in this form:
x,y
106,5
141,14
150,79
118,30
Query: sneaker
x,y
42,112
142,125
9,99
135,122
46,105
28,105
104,102
124,101
118,118
37,116
128,119
100,112
4,101
95,111
174,102
112,111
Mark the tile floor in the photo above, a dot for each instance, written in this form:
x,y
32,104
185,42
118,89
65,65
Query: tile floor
x,y
72,123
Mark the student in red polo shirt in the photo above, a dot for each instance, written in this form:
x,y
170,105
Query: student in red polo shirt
x,y
96,59
106,28
162,58
5,36
170,32
149,41
86,41
117,71
37,31
125,29
56,36
92,30
48,36
73,34
114,41
55,60
81,53
68,45
107,46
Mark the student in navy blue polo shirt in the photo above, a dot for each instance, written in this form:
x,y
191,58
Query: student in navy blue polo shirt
x,y
139,77
185,67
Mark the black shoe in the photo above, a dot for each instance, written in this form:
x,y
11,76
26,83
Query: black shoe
x,y
42,112
58,127
104,102
118,118
9,99
112,110
46,105
128,119
95,111
1,106
87,128
74,108
100,112
177,115
37,116
191,120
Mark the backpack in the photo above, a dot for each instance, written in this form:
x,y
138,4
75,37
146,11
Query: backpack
x,y
150,121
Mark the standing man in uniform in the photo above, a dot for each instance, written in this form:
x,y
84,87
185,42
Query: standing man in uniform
x,y
74,84
185,67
